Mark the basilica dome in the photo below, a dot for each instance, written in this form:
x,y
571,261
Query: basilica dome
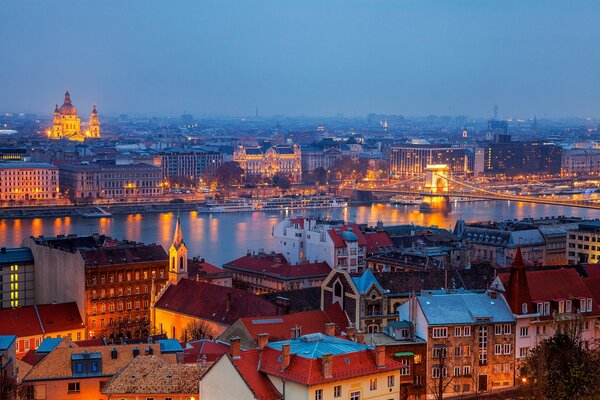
x,y
67,108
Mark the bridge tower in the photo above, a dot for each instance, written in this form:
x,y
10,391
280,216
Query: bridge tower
x,y
435,197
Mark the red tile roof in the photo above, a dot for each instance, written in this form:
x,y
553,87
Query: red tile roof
x,y
337,237
212,302
24,321
592,280
202,269
212,349
276,265
378,241
279,327
309,371
260,385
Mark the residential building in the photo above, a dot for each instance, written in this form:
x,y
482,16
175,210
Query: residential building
x,y
110,181
314,366
543,301
81,373
513,158
152,377
411,160
251,330
16,277
267,161
470,341
580,162
583,243
110,280
33,324
66,123
189,165
316,157
28,181
263,273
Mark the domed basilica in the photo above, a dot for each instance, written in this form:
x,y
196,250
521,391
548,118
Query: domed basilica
x,y
66,123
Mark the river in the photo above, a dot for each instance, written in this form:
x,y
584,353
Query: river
x,y
223,237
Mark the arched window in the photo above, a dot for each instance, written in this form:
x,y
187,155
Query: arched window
x,y
173,263
180,263
524,308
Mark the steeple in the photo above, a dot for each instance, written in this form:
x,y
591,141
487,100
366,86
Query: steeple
x,y
517,291
94,110
67,97
55,108
178,256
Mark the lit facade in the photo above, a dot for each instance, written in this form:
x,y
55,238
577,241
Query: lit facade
x,y
16,277
408,161
583,244
580,161
189,165
28,181
66,123
265,162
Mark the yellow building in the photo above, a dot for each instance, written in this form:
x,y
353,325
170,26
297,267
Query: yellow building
x,y
66,123
28,181
268,161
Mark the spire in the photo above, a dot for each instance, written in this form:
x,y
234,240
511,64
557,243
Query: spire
x,y
56,108
517,291
67,97
94,110
178,236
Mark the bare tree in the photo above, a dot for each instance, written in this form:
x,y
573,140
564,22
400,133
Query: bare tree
x,y
440,383
196,330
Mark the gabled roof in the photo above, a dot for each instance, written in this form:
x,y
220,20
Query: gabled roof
x,y
364,282
337,235
378,241
276,266
279,327
6,341
349,360
154,375
40,319
212,349
463,308
215,303
258,383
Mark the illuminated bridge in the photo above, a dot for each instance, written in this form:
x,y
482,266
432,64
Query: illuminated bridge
x,y
437,189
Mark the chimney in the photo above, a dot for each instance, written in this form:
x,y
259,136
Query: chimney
x,y
235,347
351,332
136,352
285,356
330,329
114,354
262,339
203,362
380,356
293,333
360,337
327,366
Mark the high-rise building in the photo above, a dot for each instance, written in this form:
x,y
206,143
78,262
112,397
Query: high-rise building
x,y
411,160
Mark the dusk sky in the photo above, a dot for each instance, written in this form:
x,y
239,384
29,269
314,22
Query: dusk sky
x,y
315,58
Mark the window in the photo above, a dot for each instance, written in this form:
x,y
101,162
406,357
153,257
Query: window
x,y
417,359
540,308
546,308
457,351
456,371
524,331
439,352
467,370
404,370
73,387
568,306
337,391
497,329
467,331
373,384
507,329
390,380
355,396
588,305
523,351
457,331
319,394
418,380
497,368
436,371
507,348
466,351
440,332
497,349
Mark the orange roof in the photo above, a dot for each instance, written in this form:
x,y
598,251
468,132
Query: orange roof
x,y
39,319
260,385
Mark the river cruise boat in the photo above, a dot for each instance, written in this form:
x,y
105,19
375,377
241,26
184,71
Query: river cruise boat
x,y
406,200
272,204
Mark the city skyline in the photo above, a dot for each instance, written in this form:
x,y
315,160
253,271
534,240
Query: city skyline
x,y
349,58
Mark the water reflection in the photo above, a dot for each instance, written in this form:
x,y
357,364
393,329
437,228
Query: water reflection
x,y
220,238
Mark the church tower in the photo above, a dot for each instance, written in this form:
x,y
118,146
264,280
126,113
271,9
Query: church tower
x,y
56,132
94,124
177,256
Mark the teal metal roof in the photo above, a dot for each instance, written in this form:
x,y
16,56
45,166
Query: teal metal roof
x,y
364,282
18,255
48,345
316,345
6,341
464,308
170,346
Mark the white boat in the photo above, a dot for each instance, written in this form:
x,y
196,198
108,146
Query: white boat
x,y
272,204
407,200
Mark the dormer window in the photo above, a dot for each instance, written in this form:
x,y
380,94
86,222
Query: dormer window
x,y
561,307
588,307
568,306
546,308
524,308
540,308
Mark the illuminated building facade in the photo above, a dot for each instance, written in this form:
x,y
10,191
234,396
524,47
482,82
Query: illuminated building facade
x,y
28,181
16,277
515,158
66,123
189,165
580,161
266,162
411,160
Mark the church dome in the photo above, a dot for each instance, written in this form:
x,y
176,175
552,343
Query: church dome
x,y
67,108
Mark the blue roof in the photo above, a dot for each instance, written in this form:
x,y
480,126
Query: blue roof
x,y
170,346
364,282
18,255
48,345
349,236
315,345
464,308
6,341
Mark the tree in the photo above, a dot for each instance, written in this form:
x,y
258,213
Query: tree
x,y
563,368
230,173
8,386
440,383
196,330
320,176
282,181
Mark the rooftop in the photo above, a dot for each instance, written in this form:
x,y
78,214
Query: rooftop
x,y
17,255
315,345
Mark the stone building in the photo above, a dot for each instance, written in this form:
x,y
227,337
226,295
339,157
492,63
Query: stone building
x,y
66,123
268,161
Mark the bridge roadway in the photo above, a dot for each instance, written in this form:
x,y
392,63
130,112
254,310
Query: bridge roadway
x,y
495,196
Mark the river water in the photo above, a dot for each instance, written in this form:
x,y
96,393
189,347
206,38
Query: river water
x,y
223,237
